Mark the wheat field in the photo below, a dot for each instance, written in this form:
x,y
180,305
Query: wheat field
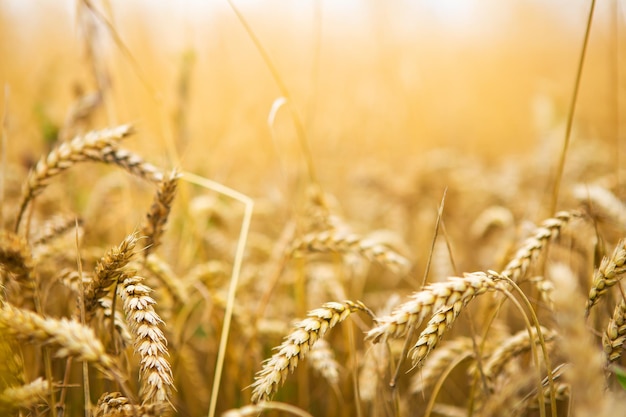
x,y
242,208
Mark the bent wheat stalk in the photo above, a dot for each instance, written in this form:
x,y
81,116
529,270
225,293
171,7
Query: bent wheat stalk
x,y
81,148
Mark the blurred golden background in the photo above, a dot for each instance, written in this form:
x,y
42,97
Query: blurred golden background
x,y
375,83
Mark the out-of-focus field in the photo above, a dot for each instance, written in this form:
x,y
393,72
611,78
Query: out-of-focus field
x,y
404,106
374,82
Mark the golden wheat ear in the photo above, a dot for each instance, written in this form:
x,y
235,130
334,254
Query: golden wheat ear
x,y
297,345
69,337
154,225
155,373
81,148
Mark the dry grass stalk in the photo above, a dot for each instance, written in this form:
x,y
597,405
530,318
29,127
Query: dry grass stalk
x,y
24,396
154,226
81,148
149,341
615,335
518,266
116,405
108,271
70,337
611,270
297,344
510,348
450,296
333,241
451,351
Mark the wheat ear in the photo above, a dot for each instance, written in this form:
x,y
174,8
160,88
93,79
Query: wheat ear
x,y
81,148
333,241
108,271
604,203
24,396
611,270
154,226
511,347
534,245
130,162
16,259
297,345
71,337
615,335
149,341
446,314
451,294
116,405
454,350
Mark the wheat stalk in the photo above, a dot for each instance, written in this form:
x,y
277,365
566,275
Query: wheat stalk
x,y
81,148
297,344
149,341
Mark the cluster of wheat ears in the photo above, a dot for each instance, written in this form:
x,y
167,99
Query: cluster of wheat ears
x,y
541,333
375,312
